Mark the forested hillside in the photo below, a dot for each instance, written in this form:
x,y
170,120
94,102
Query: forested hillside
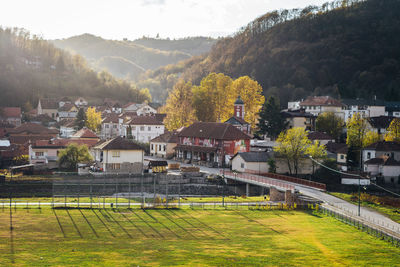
x,y
127,59
31,68
346,48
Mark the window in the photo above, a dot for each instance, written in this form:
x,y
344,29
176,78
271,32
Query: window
x,y
152,147
107,126
115,166
237,114
115,154
242,165
133,128
39,154
149,128
142,128
114,126
165,147
341,156
159,147
368,155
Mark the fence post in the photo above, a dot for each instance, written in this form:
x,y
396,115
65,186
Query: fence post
x,y
141,189
91,191
154,189
116,191
179,194
166,191
129,196
79,191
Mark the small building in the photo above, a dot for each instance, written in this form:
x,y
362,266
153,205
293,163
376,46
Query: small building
x,y
211,143
48,106
251,162
392,108
367,108
299,118
379,124
163,146
67,127
382,149
85,134
144,128
119,155
11,115
111,126
386,167
141,109
80,102
67,111
321,137
339,152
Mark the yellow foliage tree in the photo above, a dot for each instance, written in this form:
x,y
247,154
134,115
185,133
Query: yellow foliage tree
x,y
370,138
292,145
393,131
93,119
213,99
251,93
178,106
356,131
316,151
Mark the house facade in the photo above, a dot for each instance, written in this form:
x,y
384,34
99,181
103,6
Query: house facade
x,y
67,111
163,146
320,104
119,155
367,108
144,128
48,106
299,118
211,143
237,119
11,115
251,162
141,109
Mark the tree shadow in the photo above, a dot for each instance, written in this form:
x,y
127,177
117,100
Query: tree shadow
x,y
129,220
204,224
105,225
162,212
169,229
191,224
112,217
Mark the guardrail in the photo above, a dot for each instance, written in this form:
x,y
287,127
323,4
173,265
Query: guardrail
x,y
258,179
291,179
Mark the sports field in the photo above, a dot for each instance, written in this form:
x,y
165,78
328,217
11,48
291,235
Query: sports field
x,y
109,237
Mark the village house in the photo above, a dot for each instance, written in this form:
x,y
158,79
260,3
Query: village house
x,y
163,146
322,138
338,151
366,108
140,109
392,108
299,118
385,168
67,111
119,155
48,106
85,134
46,151
11,115
237,119
379,124
382,149
211,143
144,128
317,105
29,132
251,162
111,126
80,102
67,127
43,119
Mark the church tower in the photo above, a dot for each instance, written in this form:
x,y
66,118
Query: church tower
x,y
239,108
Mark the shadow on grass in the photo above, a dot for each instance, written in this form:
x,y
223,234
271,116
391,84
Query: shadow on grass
x,y
59,224
192,225
105,225
169,229
155,230
73,223
167,216
90,225
252,220
204,224
129,220
105,212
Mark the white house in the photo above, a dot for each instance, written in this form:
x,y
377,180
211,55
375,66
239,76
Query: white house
x,y
254,162
385,167
80,102
367,108
67,128
140,109
144,128
382,149
112,126
320,104
119,155
67,111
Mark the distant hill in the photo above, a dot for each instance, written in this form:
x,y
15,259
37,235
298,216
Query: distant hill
x,y
138,56
346,49
32,68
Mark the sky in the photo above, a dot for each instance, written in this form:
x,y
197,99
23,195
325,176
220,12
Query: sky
x,y
132,19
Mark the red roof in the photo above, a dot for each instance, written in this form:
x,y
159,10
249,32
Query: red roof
x,y
321,101
215,130
32,128
61,143
145,120
319,136
11,112
85,133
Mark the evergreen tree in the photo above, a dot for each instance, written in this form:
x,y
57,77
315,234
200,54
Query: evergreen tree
x,y
80,119
271,121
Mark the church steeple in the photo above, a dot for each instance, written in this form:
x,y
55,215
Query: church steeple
x,y
239,108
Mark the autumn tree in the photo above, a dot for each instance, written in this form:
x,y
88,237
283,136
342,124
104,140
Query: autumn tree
x,y
178,106
370,138
292,145
251,93
213,99
316,151
72,155
271,121
93,119
356,133
393,131
329,123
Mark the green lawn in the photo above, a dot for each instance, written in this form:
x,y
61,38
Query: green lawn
x,y
199,237
391,212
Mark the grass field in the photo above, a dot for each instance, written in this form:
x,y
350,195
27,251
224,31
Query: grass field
x,y
44,237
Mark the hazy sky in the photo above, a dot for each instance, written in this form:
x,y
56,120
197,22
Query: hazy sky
x,y
117,19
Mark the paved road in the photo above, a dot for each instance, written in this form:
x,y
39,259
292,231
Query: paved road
x,y
339,205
